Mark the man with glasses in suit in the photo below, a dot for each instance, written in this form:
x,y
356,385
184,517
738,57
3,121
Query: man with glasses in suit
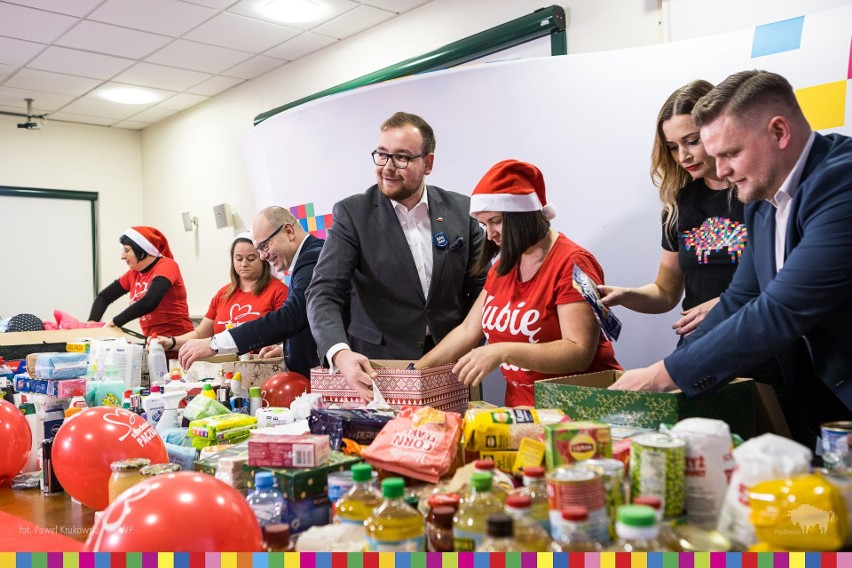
x,y
286,246
401,252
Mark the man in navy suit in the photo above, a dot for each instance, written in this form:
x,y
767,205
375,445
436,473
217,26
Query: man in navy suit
x,y
791,296
400,255
281,241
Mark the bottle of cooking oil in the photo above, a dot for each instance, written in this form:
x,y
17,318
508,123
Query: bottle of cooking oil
x,y
528,533
470,522
572,534
664,532
637,530
357,504
394,526
487,466
535,486
500,537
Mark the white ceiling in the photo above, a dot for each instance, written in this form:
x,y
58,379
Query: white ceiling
x,y
61,53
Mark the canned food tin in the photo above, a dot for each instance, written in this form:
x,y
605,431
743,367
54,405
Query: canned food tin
x,y
836,441
657,468
613,478
579,484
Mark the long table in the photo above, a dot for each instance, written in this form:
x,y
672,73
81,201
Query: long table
x,y
31,521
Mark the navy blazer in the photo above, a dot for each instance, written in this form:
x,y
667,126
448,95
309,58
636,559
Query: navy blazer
x,y
803,313
289,322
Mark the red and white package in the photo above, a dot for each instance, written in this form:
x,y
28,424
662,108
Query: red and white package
x,y
421,442
305,450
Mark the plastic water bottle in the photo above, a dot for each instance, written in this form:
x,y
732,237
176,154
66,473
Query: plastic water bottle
x,y
157,363
266,501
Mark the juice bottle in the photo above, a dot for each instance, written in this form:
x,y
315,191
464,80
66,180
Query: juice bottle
x,y
394,526
637,530
535,486
356,505
528,533
470,522
500,536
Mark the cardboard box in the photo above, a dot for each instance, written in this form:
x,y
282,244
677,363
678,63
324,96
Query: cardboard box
x,y
20,344
254,372
298,484
436,387
585,397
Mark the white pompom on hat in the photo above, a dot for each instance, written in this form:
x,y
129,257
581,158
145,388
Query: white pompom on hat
x,y
511,186
151,240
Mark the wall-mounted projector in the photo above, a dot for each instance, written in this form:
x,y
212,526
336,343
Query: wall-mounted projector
x,y
30,125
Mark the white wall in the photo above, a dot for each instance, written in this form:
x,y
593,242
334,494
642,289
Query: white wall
x,y
71,157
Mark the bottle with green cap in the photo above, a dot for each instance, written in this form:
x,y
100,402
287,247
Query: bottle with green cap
x,y
255,400
394,526
470,522
356,505
637,530
207,390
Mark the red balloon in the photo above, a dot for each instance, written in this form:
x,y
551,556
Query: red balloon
x,y
15,440
88,442
179,512
281,389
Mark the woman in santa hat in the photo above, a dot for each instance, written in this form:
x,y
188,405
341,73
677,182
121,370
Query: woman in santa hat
x,y
252,293
155,285
537,325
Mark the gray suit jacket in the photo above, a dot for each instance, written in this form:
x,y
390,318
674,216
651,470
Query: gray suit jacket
x,y
366,260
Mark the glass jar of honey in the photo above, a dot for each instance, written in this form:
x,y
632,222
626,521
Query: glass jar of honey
x,y
125,474
158,469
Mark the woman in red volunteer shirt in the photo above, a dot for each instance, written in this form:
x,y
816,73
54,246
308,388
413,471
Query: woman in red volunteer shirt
x,y
253,292
155,285
537,325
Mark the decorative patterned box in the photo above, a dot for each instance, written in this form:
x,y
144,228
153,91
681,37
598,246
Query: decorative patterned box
x,y
585,397
436,387
298,484
254,372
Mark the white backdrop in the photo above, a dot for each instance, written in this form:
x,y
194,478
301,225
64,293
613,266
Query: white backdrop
x,y
587,121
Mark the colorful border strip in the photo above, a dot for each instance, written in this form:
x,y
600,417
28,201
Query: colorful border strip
x,y
425,560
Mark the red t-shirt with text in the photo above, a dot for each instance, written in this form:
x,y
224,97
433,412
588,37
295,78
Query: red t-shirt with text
x,y
526,312
243,306
171,316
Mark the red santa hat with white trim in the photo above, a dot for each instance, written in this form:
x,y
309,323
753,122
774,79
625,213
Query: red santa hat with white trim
x,y
511,186
150,240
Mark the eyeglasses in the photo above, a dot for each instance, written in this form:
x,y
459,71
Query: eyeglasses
x,y
263,245
400,161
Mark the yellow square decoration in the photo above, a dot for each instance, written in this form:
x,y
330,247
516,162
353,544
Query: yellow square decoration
x,y
824,105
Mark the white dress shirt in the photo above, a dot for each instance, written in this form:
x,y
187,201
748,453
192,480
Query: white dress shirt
x,y
782,200
417,228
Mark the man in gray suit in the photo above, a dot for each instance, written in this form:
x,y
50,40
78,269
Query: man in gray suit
x,y
399,256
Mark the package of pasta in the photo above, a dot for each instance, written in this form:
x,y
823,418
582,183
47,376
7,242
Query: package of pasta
x,y
359,425
421,442
504,428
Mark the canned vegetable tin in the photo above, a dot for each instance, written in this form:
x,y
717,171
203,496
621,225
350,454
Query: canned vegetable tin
x,y
836,438
613,478
579,484
657,468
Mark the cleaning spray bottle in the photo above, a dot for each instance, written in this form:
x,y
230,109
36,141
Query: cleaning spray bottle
x,y
170,417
